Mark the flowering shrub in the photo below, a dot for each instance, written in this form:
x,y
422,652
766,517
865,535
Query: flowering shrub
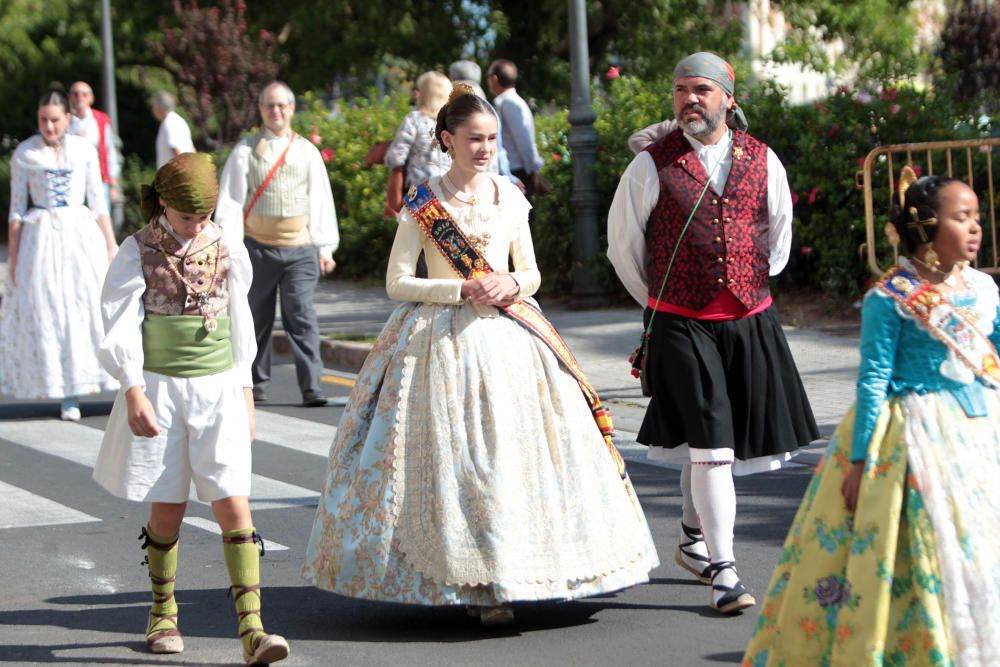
x,y
343,138
821,146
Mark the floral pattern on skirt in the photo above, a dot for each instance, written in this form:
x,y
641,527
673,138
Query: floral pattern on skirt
x,y
913,578
467,468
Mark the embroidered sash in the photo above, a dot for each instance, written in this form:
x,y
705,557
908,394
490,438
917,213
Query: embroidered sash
x,y
468,263
944,322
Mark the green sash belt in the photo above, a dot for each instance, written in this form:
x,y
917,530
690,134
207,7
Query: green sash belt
x,y
179,346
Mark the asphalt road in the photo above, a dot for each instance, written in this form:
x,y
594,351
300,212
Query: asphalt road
x,y
72,590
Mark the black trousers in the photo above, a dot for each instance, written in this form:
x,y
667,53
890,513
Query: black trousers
x,y
292,273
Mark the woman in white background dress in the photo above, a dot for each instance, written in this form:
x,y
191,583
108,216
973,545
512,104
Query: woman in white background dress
x,y
60,248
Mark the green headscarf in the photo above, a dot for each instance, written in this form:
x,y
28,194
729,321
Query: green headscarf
x,y
187,183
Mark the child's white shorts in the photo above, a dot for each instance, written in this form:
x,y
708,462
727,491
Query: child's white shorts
x,y
204,438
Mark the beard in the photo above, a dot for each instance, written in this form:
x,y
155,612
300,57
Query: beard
x,y
707,124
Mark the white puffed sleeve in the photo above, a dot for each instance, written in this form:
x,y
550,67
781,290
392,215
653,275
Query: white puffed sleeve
x,y
84,151
401,282
522,249
636,196
233,192
322,213
18,184
779,208
120,352
241,328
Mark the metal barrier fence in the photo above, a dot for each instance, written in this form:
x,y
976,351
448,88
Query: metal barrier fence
x,y
881,169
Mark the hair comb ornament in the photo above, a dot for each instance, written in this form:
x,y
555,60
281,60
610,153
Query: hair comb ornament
x,y
908,177
459,90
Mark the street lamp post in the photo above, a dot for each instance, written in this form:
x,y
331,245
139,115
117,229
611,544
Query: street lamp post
x,y
587,293
110,102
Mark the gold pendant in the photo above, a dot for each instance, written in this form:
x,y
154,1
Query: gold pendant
x,y
738,152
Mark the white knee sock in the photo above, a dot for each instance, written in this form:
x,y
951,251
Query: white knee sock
x,y
689,516
714,498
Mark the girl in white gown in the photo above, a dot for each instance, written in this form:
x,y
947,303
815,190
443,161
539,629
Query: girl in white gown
x,y
468,467
59,250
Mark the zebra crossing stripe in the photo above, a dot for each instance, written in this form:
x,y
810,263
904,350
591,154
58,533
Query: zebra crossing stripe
x,y
79,444
213,527
300,435
24,509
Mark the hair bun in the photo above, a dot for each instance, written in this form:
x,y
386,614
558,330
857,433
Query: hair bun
x,y
459,90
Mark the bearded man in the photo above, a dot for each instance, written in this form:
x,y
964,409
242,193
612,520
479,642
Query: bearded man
x,y
700,221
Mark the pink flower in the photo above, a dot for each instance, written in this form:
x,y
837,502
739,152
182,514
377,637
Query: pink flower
x,y
889,94
556,157
894,109
327,154
812,195
861,162
832,132
805,250
795,197
820,108
314,137
264,34
613,73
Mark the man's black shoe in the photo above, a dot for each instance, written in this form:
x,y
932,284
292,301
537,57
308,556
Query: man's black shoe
x,y
314,399
259,395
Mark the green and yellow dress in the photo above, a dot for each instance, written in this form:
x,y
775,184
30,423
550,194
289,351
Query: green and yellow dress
x,y
913,576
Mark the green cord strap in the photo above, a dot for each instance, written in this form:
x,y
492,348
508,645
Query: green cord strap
x,y
680,238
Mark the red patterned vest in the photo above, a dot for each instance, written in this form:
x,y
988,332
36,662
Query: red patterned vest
x,y
727,242
204,264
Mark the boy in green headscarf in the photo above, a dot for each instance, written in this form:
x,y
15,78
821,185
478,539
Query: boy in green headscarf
x,y
180,340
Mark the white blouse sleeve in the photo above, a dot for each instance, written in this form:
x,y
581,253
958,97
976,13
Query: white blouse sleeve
x,y
401,282
120,352
18,185
779,208
241,328
522,249
636,196
95,186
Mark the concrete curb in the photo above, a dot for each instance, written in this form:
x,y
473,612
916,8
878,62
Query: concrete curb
x,y
340,354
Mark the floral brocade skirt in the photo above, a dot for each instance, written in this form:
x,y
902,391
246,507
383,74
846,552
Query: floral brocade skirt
x,y
468,469
913,578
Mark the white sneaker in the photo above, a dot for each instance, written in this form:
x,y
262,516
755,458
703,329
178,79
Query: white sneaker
x,y
70,414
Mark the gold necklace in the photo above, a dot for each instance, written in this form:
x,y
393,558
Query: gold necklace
x,y
473,200
203,297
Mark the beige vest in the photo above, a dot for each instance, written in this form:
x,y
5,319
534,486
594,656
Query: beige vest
x,y
281,215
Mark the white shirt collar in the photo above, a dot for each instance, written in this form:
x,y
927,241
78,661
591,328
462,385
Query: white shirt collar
x,y
170,230
721,144
271,136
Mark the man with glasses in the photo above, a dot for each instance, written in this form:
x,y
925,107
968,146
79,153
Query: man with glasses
x,y
275,190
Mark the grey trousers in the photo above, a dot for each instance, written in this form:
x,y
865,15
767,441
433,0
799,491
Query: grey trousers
x,y
293,273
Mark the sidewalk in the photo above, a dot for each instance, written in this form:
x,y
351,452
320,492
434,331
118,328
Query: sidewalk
x,y
602,341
